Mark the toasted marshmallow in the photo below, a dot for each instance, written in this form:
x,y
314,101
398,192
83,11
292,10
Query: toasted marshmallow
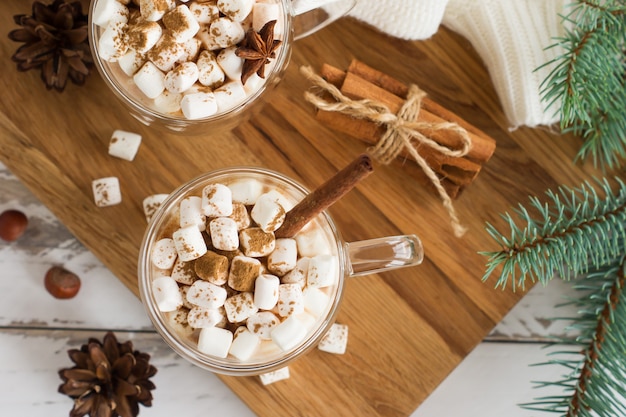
x,y
239,307
226,32
106,191
151,204
191,213
189,243
322,271
244,345
335,340
166,294
181,23
224,234
262,323
266,291
274,376
289,333
268,213
256,243
124,144
212,267
201,317
210,74
217,200
230,63
284,257
204,294
164,253
150,80
215,341
237,10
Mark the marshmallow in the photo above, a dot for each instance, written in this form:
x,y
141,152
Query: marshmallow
x,y
191,213
315,301
198,105
217,200
246,191
253,84
298,274
289,333
167,102
142,36
322,271
181,78
237,10
191,49
106,11
204,294
230,63
262,323
177,321
206,37
239,307
243,273
106,191
224,234
153,10
335,340
226,32
184,272
244,345
124,145
150,80
166,294
256,243
215,341
166,52
212,267
274,376
268,213
181,23
184,289
113,42
164,254
229,95
263,13
204,13
312,242
189,243
290,300
240,216
151,204
201,317
210,74
131,61
284,257
266,291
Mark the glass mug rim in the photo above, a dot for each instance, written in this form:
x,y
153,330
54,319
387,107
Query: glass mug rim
x,y
228,366
148,115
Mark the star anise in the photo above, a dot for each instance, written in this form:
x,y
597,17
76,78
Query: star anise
x,y
109,379
55,40
257,49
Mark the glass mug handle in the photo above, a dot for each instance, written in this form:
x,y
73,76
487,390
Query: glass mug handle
x,y
309,16
383,254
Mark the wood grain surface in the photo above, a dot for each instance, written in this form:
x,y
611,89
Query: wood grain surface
x,y
408,328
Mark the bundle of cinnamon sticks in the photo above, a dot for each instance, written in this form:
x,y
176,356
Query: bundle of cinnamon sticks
x,y
363,82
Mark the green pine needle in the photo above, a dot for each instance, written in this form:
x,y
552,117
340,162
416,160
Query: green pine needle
x,y
589,79
574,231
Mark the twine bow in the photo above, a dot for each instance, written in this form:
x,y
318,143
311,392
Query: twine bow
x,y
402,130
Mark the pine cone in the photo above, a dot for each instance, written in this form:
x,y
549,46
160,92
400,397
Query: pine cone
x,y
55,40
109,379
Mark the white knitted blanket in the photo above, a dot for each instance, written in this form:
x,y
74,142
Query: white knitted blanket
x,y
511,36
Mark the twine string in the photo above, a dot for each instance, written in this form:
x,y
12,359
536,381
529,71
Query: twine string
x,y
402,131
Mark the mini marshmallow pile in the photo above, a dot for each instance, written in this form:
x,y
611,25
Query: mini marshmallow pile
x,y
224,280
181,54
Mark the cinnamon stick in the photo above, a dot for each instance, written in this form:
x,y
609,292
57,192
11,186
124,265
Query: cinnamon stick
x,y
324,196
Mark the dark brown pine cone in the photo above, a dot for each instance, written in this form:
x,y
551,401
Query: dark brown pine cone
x,y
55,40
109,379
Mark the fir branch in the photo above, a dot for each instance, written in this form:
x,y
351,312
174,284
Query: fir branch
x,y
595,384
574,231
589,79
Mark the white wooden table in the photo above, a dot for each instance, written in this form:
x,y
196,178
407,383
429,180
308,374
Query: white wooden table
x,y
36,330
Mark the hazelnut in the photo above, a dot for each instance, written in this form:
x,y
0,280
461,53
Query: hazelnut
x,y
61,283
12,225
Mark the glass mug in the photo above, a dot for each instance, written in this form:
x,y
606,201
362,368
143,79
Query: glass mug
x,y
348,259
296,19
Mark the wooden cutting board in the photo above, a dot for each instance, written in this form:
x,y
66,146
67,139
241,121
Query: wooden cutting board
x,y
408,328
